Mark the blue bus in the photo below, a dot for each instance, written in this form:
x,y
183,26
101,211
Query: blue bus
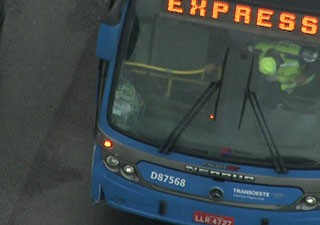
x,y
208,112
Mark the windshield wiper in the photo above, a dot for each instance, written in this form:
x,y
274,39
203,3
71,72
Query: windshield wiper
x,y
195,108
251,95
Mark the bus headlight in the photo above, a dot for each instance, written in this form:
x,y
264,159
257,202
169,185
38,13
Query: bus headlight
x,y
129,172
311,200
112,163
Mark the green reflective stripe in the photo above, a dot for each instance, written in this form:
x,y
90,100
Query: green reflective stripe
x,y
288,86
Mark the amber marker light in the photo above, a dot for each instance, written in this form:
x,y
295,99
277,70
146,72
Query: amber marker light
x,y
212,117
107,144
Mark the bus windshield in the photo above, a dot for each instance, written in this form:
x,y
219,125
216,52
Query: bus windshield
x,y
167,63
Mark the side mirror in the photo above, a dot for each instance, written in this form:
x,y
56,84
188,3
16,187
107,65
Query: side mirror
x,y
110,31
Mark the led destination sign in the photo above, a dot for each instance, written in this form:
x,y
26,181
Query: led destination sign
x,y
265,17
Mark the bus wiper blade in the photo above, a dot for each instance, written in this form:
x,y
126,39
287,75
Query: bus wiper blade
x,y
190,115
187,119
247,90
216,104
274,152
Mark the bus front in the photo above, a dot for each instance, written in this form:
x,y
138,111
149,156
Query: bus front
x,y
209,111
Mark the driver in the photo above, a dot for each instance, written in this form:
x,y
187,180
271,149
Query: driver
x,y
289,64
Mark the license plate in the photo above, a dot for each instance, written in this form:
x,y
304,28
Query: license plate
x,y
212,219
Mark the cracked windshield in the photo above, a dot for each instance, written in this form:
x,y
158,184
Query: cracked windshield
x,y
264,94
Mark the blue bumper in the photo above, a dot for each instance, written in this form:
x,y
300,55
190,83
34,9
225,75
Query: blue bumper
x,y
134,198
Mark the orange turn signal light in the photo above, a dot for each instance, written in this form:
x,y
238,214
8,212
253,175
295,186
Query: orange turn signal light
x,y
107,144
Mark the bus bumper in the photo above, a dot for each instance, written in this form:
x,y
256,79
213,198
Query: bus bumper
x,y
134,198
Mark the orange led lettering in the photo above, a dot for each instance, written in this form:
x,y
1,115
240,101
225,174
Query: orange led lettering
x,y
242,13
287,21
175,6
310,25
264,17
202,8
219,8
245,15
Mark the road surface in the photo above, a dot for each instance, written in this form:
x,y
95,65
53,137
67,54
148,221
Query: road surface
x,y
47,98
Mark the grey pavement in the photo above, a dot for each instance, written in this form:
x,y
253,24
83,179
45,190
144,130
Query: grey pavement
x,y
47,108
38,53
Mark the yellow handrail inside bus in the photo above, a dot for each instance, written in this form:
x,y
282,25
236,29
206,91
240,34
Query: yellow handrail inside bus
x,y
165,70
205,70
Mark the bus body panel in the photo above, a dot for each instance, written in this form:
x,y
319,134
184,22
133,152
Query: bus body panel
x,y
187,200
133,198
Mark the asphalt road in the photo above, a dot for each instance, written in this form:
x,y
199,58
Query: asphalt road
x,y
47,102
